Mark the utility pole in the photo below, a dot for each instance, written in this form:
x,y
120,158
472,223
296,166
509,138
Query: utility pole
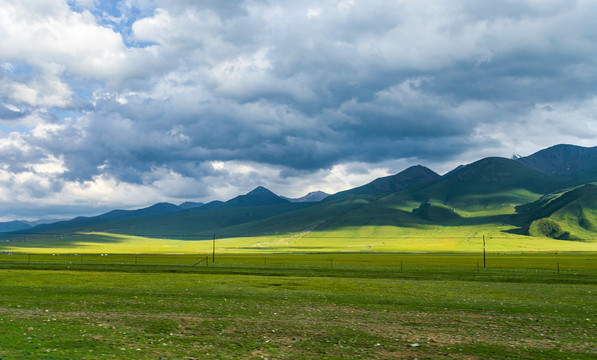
x,y
484,263
213,253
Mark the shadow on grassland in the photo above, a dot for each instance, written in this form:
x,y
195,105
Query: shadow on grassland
x,y
56,240
68,240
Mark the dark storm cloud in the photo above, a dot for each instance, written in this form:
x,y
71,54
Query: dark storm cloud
x,y
17,156
340,76
294,87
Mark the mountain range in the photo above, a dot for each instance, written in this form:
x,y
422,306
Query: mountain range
x,y
562,160
310,197
547,194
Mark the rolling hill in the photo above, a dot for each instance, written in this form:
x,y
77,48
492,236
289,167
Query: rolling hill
x,y
488,183
15,225
415,175
562,160
313,196
571,215
256,197
190,205
111,216
493,195
493,184
484,193
190,223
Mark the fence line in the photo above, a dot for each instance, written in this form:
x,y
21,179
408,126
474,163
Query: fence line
x,y
397,263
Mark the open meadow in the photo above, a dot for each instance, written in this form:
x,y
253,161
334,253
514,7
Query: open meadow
x,y
368,239
343,179
299,305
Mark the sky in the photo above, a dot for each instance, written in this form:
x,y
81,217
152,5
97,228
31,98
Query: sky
x,y
122,104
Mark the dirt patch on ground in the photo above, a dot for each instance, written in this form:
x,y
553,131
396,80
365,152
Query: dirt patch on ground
x,y
376,333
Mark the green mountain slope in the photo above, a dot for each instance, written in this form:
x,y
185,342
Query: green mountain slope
x,y
561,160
111,216
571,215
488,183
330,213
436,213
485,192
261,212
191,224
414,175
14,226
256,197
491,196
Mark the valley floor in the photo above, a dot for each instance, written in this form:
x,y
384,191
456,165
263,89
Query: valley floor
x,y
357,239
382,306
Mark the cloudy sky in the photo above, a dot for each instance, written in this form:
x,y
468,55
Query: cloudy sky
x,y
121,104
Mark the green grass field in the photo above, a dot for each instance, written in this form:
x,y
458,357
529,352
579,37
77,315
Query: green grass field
x,y
299,306
370,291
347,239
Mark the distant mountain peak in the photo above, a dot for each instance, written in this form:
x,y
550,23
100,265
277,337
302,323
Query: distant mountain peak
x,y
15,225
190,205
416,169
158,209
313,196
563,159
258,196
414,175
260,190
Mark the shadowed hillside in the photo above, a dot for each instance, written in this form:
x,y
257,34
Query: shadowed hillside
x,y
561,160
415,175
14,226
492,193
488,183
258,204
571,215
112,216
487,192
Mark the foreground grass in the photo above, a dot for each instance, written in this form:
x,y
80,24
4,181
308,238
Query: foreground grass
x,y
361,307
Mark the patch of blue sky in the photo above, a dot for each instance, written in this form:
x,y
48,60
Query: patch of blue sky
x,y
16,68
61,114
13,127
117,16
81,99
83,88
10,117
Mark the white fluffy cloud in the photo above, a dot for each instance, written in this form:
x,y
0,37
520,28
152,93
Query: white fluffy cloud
x,y
124,103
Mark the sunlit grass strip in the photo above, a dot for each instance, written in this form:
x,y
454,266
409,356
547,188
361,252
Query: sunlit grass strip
x,y
357,239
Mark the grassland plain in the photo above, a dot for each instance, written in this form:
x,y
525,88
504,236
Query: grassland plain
x,y
368,238
331,305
